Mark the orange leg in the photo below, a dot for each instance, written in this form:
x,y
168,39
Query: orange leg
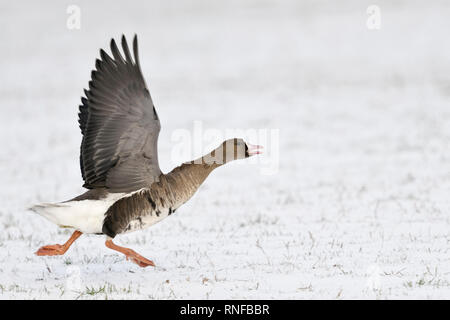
x,y
130,254
58,249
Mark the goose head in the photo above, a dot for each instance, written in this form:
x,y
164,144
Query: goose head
x,y
229,150
236,149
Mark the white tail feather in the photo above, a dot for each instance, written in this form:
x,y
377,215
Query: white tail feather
x,y
85,215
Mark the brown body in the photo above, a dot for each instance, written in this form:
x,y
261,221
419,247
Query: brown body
x,y
151,205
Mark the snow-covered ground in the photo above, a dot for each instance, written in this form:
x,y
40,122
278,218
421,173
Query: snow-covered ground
x,y
358,206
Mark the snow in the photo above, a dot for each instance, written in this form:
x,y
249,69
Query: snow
x,y
357,205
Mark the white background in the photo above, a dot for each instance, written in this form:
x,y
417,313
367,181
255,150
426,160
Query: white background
x,y
359,207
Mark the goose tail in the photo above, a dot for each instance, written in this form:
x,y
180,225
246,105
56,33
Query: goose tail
x,y
46,210
43,207
84,215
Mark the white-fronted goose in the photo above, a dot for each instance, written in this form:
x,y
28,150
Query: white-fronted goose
x,y
119,160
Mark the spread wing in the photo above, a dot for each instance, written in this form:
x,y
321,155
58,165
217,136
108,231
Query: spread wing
x,y
119,124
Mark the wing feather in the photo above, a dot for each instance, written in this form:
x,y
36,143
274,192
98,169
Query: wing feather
x,y
119,124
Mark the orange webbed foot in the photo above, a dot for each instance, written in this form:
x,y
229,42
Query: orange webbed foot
x,y
130,255
58,249
51,250
138,259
